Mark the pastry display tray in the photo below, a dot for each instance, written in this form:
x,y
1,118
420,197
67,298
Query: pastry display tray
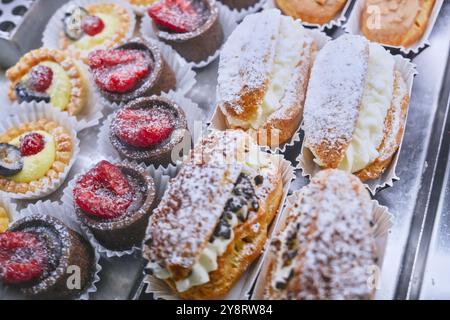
x,y
417,256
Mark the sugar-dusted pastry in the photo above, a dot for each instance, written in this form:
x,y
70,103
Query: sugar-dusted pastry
x,y
38,254
239,4
326,247
191,27
263,75
311,11
356,107
96,25
213,219
50,76
395,22
33,155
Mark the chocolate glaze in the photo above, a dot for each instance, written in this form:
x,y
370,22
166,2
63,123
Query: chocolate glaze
x,y
65,248
161,77
160,154
239,4
127,230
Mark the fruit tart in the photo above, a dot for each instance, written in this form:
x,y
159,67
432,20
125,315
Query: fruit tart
x,y
38,254
148,129
129,71
239,4
33,155
50,76
190,27
93,26
115,201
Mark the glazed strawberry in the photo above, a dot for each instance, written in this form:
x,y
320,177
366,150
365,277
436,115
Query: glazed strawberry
x,y
23,257
40,78
31,144
103,191
177,15
143,128
119,70
92,25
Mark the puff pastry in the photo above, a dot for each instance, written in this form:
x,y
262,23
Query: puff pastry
x,y
203,235
356,107
263,75
395,22
311,11
326,246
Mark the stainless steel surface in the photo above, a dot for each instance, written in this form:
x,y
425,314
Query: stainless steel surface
x,y
419,245
17,18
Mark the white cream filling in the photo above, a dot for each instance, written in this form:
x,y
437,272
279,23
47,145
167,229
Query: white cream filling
x,y
287,57
377,97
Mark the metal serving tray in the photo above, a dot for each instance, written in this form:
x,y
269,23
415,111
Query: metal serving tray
x,y
418,250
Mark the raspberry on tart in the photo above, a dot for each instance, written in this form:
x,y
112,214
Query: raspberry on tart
x,y
50,76
99,24
114,201
190,27
129,71
35,254
33,155
148,129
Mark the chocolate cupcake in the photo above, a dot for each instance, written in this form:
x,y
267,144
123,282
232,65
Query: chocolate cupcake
x,y
148,129
38,253
134,69
115,201
190,27
239,4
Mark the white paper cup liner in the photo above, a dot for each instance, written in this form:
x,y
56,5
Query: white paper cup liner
x,y
191,110
33,111
184,74
382,222
91,114
218,120
337,21
242,288
353,26
160,179
10,207
240,14
310,168
227,21
52,33
57,211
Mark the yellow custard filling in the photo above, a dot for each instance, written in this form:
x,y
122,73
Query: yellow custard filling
x,y
377,97
37,165
87,42
61,87
4,220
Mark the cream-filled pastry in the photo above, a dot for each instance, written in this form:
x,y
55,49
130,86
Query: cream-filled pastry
x,y
263,74
356,106
213,219
326,246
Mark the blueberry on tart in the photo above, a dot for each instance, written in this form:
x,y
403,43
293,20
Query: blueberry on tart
x,y
98,24
114,201
191,27
33,155
148,129
132,70
36,253
50,76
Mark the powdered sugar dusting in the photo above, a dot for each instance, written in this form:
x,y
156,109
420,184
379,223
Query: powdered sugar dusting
x,y
335,91
326,248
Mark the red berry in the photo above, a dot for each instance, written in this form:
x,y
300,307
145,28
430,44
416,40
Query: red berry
x,y
31,144
40,78
103,191
23,257
92,25
119,70
143,128
177,15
